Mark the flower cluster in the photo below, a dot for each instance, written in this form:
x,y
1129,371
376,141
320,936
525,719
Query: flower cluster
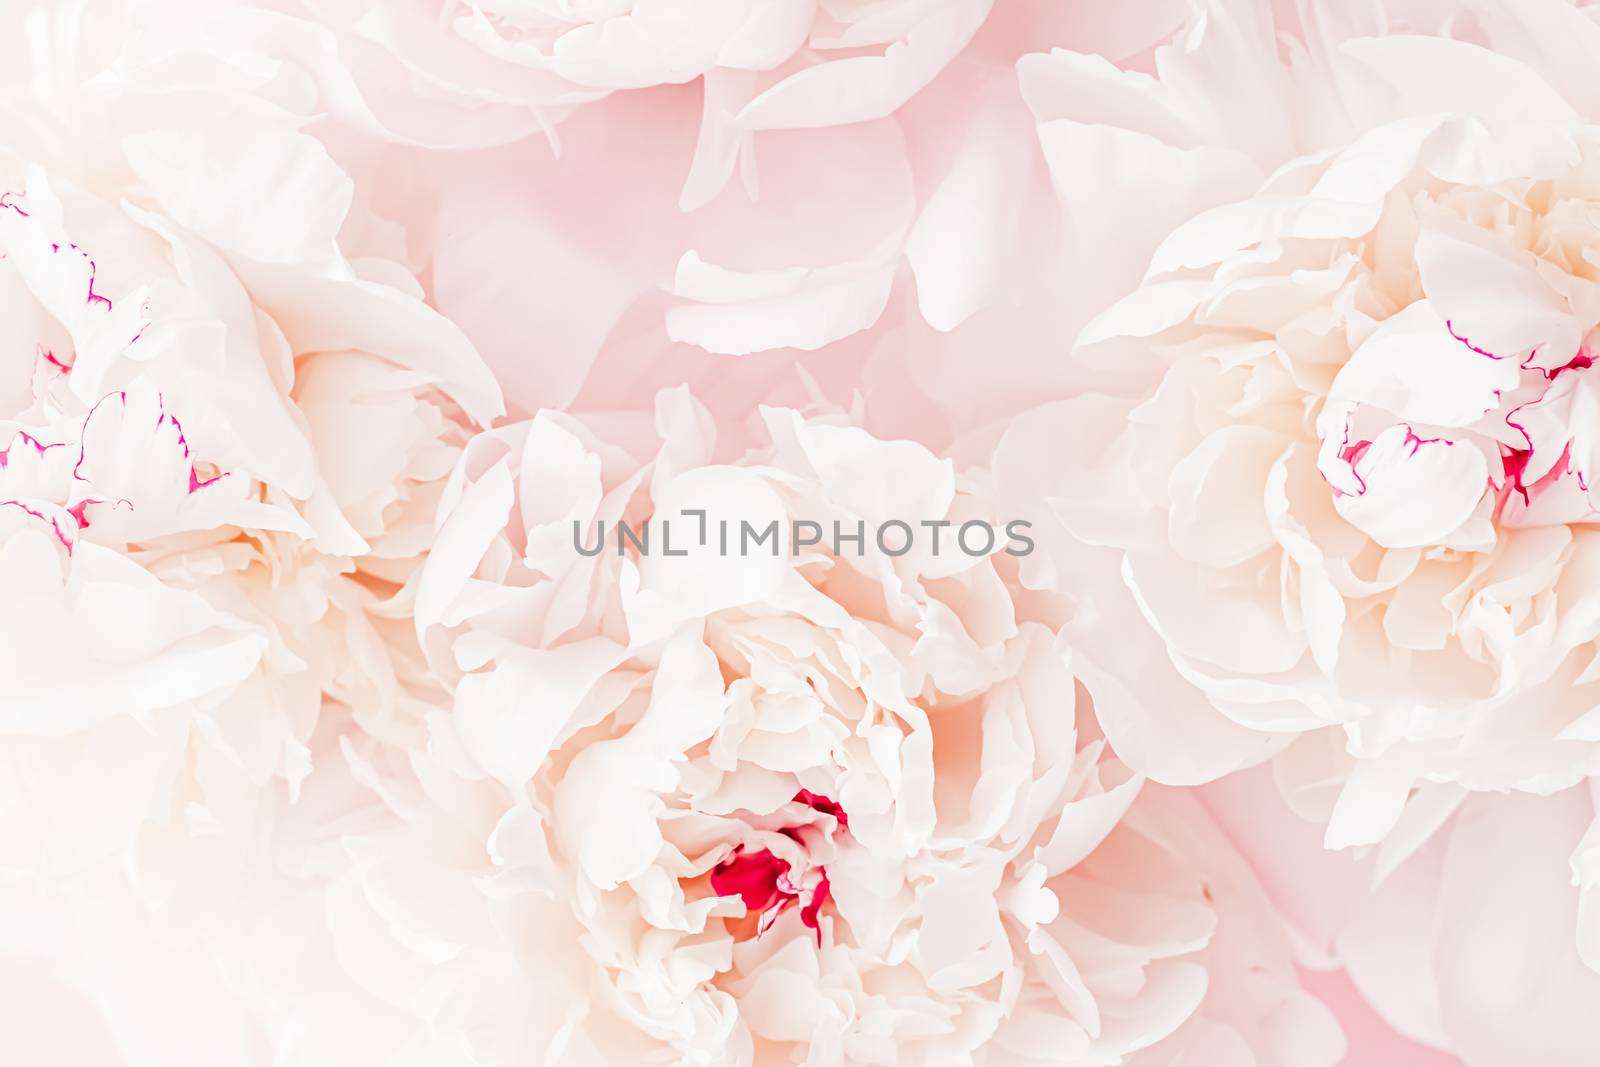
x,y
1043,533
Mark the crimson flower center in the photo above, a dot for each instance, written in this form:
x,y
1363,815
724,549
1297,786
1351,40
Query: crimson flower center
x,y
769,884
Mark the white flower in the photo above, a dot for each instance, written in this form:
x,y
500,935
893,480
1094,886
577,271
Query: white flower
x,y
1340,507
224,423
1350,488
834,806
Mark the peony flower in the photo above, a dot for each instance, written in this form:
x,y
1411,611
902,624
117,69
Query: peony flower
x,y
1338,511
1348,488
806,801
225,419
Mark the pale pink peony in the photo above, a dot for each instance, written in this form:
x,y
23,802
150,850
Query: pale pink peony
x,y
1340,505
225,419
823,808
1350,485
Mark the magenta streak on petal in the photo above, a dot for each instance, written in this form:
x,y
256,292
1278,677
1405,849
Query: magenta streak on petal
x,y
1515,462
1451,327
1349,454
1517,426
809,912
79,512
50,358
93,297
1352,454
5,202
824,804
1417,442
23,437
83,434
1563,467
766,883
28,439
752,877
1580,361
196,483
54,526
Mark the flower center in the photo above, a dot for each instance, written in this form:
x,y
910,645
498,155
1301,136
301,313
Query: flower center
x,y
1429,439
769,884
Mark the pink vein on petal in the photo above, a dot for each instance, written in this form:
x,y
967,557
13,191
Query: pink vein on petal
x,y
1581,361
1417,442
1349,454
93,297
80,511
196,483
1448,325
50,357
55,526
809,912
26,438
824,804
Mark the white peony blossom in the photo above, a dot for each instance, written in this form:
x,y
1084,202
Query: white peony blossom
x,y
826,807
1345,505
225,418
